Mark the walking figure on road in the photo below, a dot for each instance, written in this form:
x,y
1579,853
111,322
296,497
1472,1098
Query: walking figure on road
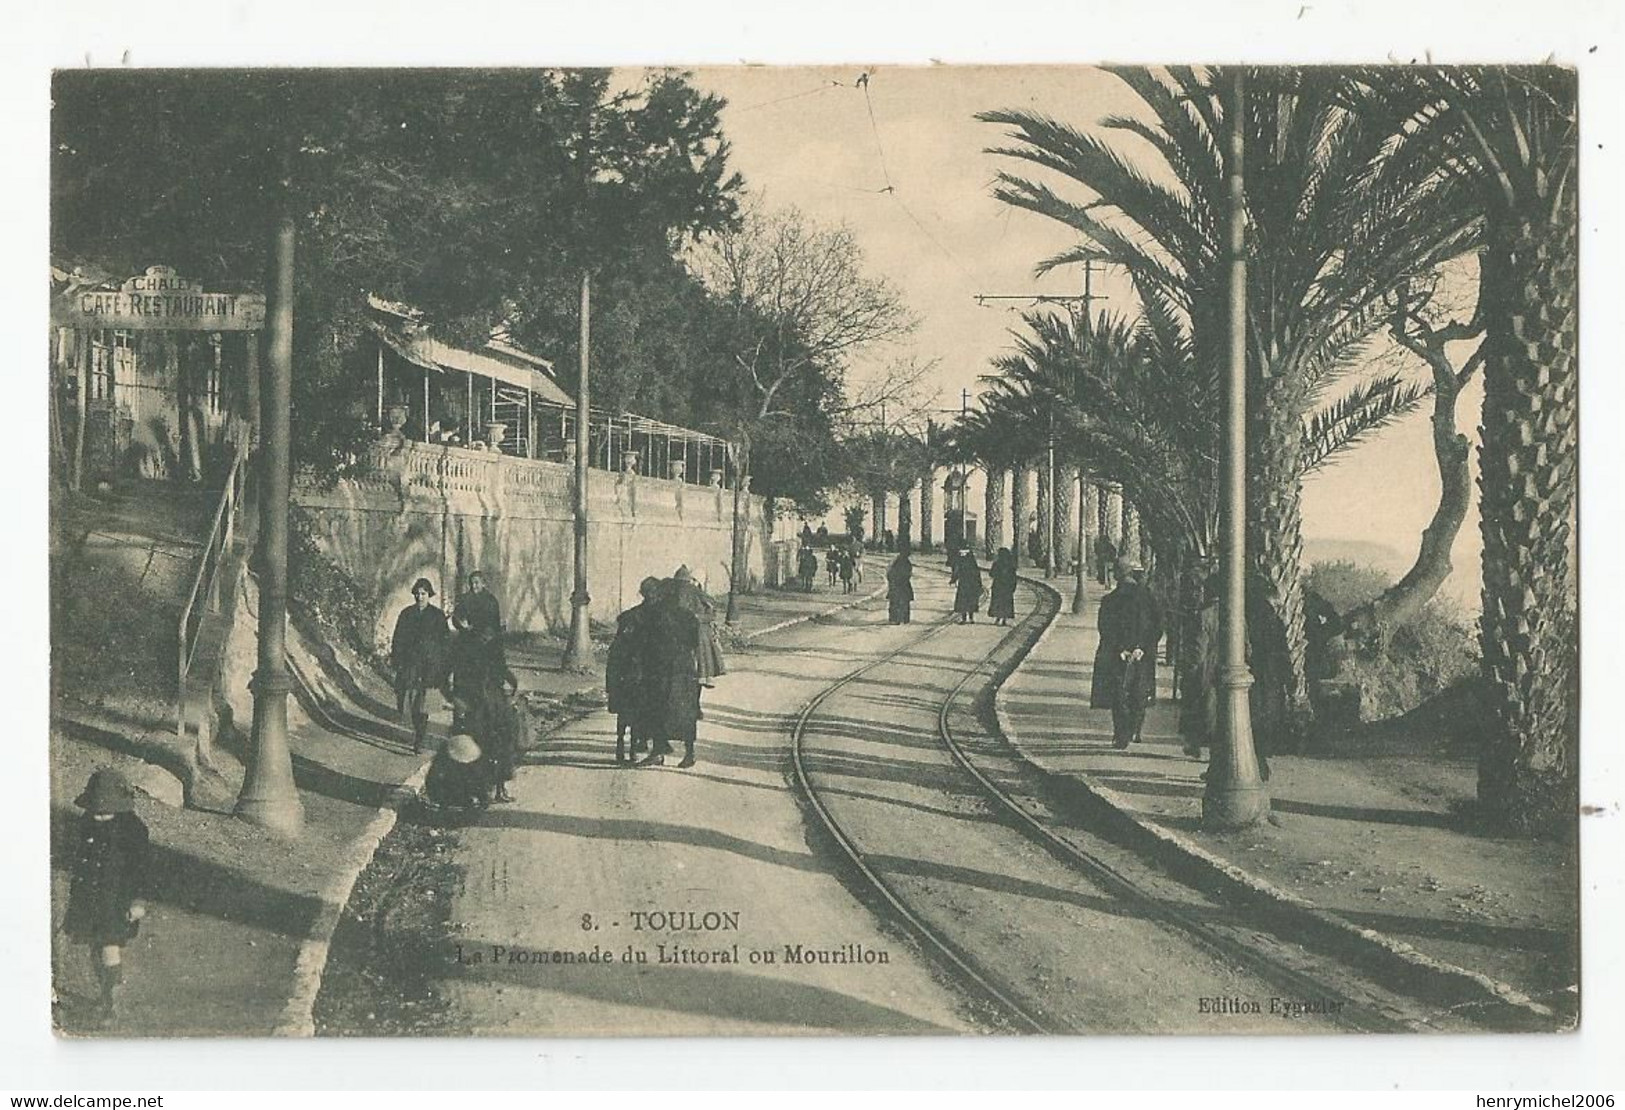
x,y
1002,607
671,678
807,569
417,652
967,576
624,679
480,606
845,567
109,865
900,589
832,562
1125,671
480,684
691,597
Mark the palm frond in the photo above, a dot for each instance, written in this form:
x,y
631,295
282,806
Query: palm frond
x,y
1350,419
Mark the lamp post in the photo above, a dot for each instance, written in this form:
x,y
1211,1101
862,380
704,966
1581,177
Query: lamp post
x,y
1080,598
578,649
741,460
1235,797
269,797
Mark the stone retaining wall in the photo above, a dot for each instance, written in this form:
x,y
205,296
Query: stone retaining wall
x,y
442,512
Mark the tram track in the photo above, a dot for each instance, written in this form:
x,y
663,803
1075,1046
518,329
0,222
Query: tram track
x,y
1109,867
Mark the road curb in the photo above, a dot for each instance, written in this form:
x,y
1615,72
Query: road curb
x,y
299,1012
805,617
1456,986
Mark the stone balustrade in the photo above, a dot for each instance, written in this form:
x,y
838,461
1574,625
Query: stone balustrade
x,y
440,511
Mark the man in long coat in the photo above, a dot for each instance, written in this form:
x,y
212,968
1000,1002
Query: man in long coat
x,y
417,652
671,678
624,679
1125,672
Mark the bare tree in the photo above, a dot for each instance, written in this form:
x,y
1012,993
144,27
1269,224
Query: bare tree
x,y
802,308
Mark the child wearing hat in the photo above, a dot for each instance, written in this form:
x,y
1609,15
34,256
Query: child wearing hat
x,y
109,862
459,777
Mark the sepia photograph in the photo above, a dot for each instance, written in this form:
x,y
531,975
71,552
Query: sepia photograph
x,y
789,550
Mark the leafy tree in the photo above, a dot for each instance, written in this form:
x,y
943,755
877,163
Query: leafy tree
x,y
475,195
797,308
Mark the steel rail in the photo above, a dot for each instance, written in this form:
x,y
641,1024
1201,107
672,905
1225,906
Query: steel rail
x,y
939,946
1213,941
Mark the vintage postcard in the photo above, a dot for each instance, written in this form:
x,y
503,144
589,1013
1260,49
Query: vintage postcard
x,y
814,551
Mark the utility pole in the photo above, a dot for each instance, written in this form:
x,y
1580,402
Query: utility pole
x,y
578,650
1080,306
1235,797
736,549
1047,512
269,797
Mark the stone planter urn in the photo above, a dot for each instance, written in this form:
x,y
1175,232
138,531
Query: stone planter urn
x,y
395,418
679,470
495,433
629,462
716,479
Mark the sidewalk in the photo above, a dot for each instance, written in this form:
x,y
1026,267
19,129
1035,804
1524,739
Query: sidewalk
x,y
1368,845
239,919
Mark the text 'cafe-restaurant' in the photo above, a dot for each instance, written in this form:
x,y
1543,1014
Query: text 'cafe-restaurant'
x,y
148,371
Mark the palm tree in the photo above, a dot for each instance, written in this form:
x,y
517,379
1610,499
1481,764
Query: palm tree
x,y
978,437
1131,405
1322,256
1507,137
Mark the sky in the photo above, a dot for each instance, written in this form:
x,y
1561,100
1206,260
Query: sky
x,y
822,140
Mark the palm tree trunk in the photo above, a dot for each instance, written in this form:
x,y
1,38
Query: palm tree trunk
x,y
1277,637
1527,775
993,510
1018,512
928,507
1094,530
1111,506
1046,516
1066,486
905,518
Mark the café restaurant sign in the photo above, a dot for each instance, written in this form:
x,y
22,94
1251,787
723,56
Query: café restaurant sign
x,y
159,299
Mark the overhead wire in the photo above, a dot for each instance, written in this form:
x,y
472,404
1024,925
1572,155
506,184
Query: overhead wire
x,y
891,189
832,84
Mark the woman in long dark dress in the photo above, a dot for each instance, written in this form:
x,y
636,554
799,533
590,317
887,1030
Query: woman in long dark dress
x,y
1002,608
671,677
899,589
967,576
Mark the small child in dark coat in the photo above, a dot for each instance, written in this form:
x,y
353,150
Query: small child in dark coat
x,y
459,777
109,865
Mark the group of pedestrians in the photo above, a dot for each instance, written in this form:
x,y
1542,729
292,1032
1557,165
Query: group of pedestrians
x,y
464,659
843,563
666,651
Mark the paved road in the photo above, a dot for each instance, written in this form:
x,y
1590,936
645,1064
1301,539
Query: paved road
x,y
727,839
663,901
